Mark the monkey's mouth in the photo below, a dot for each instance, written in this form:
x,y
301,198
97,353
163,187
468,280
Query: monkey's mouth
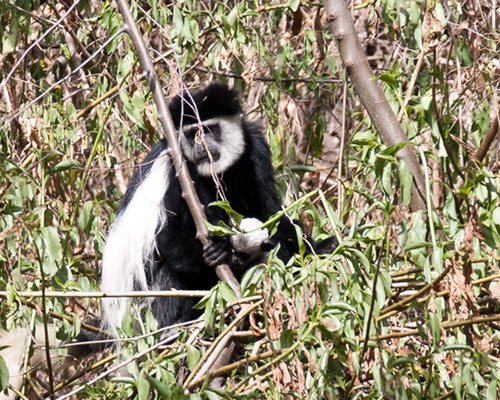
x,y
205,158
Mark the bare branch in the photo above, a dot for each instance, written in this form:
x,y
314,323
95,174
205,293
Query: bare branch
x,y
188,192
371,94
159,293
488,140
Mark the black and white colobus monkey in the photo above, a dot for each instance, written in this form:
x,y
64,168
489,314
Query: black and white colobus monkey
x,y
152,244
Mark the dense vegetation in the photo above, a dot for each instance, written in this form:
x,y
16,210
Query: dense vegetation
x,y
408,305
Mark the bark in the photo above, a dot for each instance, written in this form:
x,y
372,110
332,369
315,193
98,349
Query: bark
x,y
371,95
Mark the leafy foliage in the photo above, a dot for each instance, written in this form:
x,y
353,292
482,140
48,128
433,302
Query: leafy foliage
x,y
407,307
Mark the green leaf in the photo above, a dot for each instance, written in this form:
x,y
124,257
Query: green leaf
x,y
228,209
211,395
390,78
377,378
134,109
143,387
294,5
470,382
227,293
339,306
440,14
85,217
76,326
65,165
402,361
124,67
437,259
11,40
435,327
456,382
210,308
195,31
387,179
287,338
386,281
450,212
418,245
414,13
478,378
154,9
455,347
218,230
193,356
52,250
364,138
296,168
4,374
231,18
167,392
405,180
492,392
177,19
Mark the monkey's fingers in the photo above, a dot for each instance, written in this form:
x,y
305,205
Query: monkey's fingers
x,y
215,253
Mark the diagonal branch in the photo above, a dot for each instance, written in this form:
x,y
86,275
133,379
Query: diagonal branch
x,y
488,140
223,353
371,95
188,192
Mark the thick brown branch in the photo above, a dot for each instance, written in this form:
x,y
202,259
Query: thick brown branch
x,y
371,94
188,191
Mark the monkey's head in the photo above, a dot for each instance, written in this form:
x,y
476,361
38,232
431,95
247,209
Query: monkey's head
x,y
209,122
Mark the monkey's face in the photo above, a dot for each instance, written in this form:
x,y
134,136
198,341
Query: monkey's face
x,y
213,145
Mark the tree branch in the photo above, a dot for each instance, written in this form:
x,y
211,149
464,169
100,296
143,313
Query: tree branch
x,y
371,95
488,140
188,192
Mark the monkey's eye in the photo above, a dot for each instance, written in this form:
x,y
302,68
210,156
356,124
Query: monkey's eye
x,y
212,129
194,133
190,133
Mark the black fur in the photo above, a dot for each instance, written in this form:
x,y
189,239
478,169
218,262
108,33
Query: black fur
x,y
216,100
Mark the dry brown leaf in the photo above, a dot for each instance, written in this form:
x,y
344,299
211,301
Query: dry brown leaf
x,y
301,379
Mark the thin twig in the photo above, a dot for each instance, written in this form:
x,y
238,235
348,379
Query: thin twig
x,y
63,79
238,364
78,295
415,296
36,43
263,78
85,371
488,140
447,325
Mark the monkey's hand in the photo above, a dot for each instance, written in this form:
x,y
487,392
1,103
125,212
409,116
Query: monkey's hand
x,y
216,251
